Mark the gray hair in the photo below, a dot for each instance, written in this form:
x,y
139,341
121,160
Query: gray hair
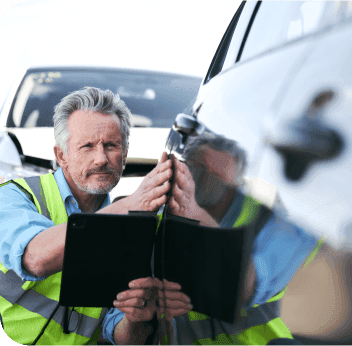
x,y
95,100
217,143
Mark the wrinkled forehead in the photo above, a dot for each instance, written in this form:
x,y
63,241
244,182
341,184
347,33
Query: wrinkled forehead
x,y
84,125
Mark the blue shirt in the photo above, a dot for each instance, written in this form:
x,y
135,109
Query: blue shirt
x,y
20,222
278,252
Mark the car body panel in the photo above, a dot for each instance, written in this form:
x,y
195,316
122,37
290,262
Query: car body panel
x,y
327,67
258,102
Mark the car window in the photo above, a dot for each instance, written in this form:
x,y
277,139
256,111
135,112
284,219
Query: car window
x,y
278,22
153,98
220,54
238,35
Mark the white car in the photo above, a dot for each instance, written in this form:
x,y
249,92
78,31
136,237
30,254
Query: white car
x,y
154,99
12,165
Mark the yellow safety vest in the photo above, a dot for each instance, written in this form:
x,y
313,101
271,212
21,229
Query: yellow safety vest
x,y
258,325
26,306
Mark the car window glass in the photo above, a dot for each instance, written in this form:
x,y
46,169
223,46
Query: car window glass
x,y
153,98
238,35
278,22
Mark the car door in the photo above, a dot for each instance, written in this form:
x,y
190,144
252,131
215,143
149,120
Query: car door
x,y
249,75
314,118
253,97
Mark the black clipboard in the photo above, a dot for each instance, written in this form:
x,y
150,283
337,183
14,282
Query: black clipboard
x,y
103,253
209,263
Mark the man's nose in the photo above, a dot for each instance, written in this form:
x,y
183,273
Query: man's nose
x,y
100,158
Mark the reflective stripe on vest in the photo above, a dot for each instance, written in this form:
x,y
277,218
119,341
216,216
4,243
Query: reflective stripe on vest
x,y
192,327
25,306
196,328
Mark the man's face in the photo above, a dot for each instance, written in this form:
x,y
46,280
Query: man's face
x,y
94,158
214,175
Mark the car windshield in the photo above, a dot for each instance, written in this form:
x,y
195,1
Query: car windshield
x,y
153,98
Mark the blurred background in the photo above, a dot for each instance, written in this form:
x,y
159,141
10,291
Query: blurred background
x,y
171,36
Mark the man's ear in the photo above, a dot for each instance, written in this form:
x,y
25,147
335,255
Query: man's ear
x,y
61,157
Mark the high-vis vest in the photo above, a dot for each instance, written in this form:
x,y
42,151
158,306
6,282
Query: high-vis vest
x,y
26,306
258,324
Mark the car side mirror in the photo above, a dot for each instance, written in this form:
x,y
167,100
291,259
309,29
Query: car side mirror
x,y
187,125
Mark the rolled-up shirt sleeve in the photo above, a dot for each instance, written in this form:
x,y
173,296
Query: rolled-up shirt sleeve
x,y
280,249
111,319
20,222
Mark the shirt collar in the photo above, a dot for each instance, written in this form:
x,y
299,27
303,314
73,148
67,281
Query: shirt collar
x,y
65,191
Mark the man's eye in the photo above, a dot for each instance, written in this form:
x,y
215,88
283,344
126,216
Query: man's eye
x,y
88,145
110,145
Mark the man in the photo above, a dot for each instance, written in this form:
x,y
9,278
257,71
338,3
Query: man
x,y
91,129
280,248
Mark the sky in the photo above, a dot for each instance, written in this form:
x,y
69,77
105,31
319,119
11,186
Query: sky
x,y
178,36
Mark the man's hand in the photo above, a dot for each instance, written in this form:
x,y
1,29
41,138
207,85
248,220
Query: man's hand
x,y
138,303
151,194
177,303
182,201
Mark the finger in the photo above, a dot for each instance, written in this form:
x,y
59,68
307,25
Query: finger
x,y
161,177
134,293
173,295
137,314
174,207
179,165
160,167
181,179
147,282
157,198
172,286
175,304
157,203
164,157
158,284
134,303
158,191
177,194
157,180
178,177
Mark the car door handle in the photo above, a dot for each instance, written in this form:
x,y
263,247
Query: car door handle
x,y
309,139
187,125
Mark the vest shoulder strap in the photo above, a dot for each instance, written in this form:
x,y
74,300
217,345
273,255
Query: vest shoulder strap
x,y
30,196
37,190
249,211
44,193
53,199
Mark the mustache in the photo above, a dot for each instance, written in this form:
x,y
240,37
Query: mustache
x,y
100,170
